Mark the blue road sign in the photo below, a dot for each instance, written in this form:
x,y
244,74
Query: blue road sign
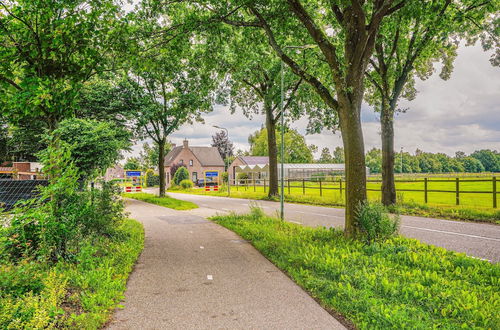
x,y
133,173
211,174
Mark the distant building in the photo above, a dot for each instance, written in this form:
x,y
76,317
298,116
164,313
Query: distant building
x,y
197,160
22,171
116,172
257,167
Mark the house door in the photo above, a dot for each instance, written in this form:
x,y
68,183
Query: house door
x,y
194,177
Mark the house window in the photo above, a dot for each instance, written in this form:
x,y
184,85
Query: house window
x,y
191,162
181,162
194,177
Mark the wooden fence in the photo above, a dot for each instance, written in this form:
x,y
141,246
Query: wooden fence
x,y
340,185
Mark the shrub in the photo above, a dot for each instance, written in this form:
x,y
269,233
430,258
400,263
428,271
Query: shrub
x,y
242,177
152,179
181,174
224,177
375,222
174,168
186,184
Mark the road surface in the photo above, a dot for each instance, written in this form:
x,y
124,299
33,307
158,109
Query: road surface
x,y
475,239
195,274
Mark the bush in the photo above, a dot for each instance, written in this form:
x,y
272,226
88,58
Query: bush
x,y
50,226
375,222
152,179
186,184
225,177
242,177
181,174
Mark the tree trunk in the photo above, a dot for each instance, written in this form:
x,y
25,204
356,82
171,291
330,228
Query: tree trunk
x,y
355,170
272,151
161,165
388,184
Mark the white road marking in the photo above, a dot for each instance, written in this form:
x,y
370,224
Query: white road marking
x,y
202,247
319,214
210,277
453,233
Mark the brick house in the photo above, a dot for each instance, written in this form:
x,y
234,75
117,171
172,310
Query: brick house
x,y
197,160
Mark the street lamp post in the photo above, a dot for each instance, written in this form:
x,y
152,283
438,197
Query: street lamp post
x,y
282,111
227,166
401,160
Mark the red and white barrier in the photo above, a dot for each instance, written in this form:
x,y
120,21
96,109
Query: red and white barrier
x,y
211,188
133,189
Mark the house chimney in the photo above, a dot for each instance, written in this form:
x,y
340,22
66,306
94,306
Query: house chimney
x,y
185,144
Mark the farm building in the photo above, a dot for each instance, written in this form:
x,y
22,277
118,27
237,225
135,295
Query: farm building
x,y
257,167
197,160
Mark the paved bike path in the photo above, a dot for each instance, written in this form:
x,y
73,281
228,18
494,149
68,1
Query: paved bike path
x,y
194,274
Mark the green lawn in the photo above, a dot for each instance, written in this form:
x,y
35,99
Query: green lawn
x,y
400,283
78,294
166,201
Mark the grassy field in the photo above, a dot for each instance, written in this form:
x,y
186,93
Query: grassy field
x,y
76,294
166,201
473,206
397,284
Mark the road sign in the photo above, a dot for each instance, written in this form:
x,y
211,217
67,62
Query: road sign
x,y
212,174
133,173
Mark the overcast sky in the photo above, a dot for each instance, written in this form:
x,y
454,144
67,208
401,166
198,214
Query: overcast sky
x,y
462,113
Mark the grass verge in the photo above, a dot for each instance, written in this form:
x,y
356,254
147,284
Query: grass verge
x,y
400,283
408,208
80,294
166,201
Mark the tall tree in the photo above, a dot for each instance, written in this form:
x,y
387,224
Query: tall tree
x,y
326,156
176,82
296,148
344,33
221,141
48,48
419,34
253,83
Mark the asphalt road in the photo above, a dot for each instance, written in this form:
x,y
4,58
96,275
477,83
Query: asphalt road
x,y
195,274
475,239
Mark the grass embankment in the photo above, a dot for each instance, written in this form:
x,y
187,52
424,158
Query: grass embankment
x,y
166,201
400,283
477,214
80,294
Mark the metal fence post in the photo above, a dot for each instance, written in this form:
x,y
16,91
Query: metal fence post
x,y
320,189
254,190
457,189
425,191
494,192
288,186
303,187
264,185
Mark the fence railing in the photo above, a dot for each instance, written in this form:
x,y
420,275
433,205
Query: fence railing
x,y
12,191
423,187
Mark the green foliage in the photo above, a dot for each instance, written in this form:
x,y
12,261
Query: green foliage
x,y
186,184
400,283
296,149
472,165
152,179
80,294
48,49
165,201
376,224
48,227
132,163
95,146
181,174
490,159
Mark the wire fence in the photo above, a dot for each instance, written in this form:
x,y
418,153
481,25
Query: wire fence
x,y
13,191
478,192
